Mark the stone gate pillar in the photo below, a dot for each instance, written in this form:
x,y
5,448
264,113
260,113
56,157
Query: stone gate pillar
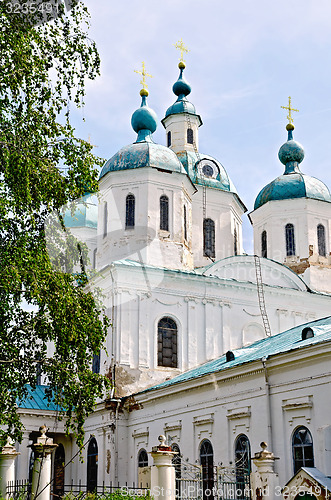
x,y
163,477
264,482
7,467
42,466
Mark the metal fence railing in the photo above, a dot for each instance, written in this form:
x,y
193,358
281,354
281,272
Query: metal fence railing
x,y
21,490
18,490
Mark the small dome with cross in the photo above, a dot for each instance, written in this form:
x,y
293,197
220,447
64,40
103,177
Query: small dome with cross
x,y
293,183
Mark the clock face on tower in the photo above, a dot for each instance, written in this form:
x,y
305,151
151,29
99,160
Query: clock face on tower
x,y
208,169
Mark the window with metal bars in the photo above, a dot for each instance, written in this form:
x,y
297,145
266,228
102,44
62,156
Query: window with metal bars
x,y
321,240
58,474
129,211
235,241
242,457
290,240
143,458
164,213
207,466
189,136
302,449
264,252
92,465
209,238
167,343
169,139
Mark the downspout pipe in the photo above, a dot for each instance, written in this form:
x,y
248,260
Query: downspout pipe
x,y
268,403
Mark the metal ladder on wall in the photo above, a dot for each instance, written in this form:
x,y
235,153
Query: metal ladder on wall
x,y
260,294
204,191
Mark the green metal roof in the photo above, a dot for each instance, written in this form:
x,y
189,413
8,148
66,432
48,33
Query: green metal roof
x,y
37,399
143,154
283,342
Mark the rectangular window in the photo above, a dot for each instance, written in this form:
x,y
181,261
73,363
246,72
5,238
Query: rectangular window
x,y
105,220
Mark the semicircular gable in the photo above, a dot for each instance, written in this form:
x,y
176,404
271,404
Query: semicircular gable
x,y
242,268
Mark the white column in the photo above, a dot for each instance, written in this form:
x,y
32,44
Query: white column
x,y
163,478
264,481
42,467
7,467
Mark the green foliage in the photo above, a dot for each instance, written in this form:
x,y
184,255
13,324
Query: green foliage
x,y
43,165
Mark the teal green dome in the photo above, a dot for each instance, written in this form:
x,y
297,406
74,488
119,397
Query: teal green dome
x,y
219,180
182,89
293,183
291,151
143,154
85,213
144,118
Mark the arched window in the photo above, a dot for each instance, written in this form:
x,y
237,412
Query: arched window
x,y
209,238
185,223
129,211
105,219
169,139
189,136
164,213
290,241
264,252
58,478
167,343
177,463
242,453
95,258
142,458
207,465
302,449
31,463
92,465
321,240
235,241
96,363
242,460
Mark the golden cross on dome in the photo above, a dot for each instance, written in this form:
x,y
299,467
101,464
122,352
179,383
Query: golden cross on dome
x,y
180,46
290,109
144,74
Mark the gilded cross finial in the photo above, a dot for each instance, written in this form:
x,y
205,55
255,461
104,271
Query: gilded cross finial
x,y
290,109
143,80
180,46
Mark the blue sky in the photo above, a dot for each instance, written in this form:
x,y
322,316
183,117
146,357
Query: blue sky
x,y
245,59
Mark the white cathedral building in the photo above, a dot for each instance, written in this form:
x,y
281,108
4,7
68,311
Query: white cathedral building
x,y
216,349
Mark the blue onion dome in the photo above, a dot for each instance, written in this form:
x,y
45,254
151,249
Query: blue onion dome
x,y
181,89
291,153
144,152
293,183
85,213
144,119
